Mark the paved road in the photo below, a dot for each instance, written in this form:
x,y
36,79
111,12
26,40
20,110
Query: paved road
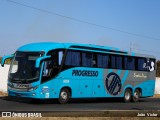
x,y
17,104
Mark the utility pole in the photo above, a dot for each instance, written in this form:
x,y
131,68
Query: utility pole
x,y
130,46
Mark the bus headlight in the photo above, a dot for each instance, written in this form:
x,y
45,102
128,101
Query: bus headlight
x,y
10,84
33,88
9,87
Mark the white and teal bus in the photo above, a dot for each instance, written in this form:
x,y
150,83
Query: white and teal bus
x,y
66,70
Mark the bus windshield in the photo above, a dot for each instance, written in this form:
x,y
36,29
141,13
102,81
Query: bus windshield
x,y
22,69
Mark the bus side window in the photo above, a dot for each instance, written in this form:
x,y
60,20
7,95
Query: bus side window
x,y
47,68
87,59
60,56
146,64
113,62
142,64
102,61
119,62
54,57
94,61
73,58
152,65
129,63
52,65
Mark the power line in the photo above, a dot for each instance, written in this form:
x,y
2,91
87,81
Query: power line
x,y
146,50
82,21
131,49
86,22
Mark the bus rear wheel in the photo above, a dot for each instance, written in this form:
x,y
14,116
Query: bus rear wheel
x,y
64,96
136,95
127,96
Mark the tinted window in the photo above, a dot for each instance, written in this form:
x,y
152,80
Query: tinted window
x,y
142,64
113,61
129,63
102,61
52,65
73,58
119,62
151,64
87,59
56,57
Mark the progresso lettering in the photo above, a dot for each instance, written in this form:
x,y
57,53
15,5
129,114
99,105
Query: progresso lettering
x,y
85,73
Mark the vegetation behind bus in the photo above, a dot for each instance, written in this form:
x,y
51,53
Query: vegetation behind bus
x,y
8,61
158,69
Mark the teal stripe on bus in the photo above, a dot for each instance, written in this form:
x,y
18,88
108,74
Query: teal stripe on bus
x,y
119,72
133,54
109,71
125,77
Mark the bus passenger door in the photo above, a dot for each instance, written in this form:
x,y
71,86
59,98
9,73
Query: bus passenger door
x,y
46,80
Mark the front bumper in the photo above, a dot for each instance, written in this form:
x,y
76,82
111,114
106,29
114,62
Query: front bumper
x,y
32,94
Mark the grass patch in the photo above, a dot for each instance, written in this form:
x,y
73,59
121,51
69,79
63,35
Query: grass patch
x,y
3,93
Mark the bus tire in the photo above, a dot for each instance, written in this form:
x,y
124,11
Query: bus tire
x,y
136,95
127,96
64,96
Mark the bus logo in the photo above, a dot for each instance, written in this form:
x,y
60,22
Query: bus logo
x,y
113,83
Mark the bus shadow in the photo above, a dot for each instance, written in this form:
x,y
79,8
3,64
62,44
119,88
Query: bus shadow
x,y
100,100
72,101
28,100
15,99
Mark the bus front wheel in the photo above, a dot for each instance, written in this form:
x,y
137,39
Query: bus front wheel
x,y
64,96
127,95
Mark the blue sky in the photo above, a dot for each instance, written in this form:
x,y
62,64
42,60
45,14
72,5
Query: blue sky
x,y
21,25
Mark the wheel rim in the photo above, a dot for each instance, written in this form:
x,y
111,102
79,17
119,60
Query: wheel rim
x,y
136,95
64,95
127,95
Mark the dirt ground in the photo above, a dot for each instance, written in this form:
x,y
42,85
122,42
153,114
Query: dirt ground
x,y
156,96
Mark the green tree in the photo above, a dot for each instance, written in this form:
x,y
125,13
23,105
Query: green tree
x,y
8,61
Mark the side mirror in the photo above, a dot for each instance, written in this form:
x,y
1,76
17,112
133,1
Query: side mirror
x,y
38,61
5,58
